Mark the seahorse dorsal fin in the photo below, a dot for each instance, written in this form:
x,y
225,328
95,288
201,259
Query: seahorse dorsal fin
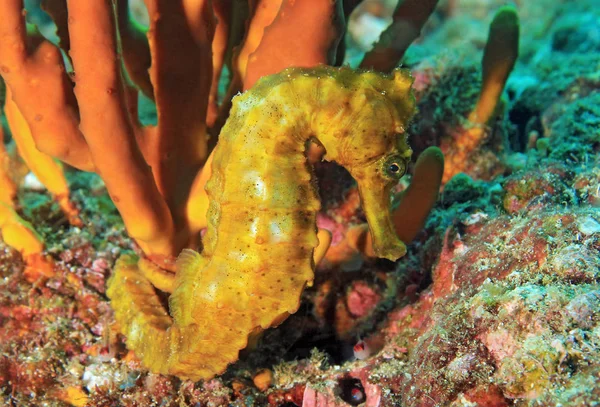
x,y
188,259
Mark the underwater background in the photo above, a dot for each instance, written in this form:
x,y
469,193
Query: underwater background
x,y
495,303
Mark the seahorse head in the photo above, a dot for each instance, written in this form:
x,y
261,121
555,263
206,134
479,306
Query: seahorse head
x,y
364,130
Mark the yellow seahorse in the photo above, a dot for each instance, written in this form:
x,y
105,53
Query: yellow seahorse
x,y
258,249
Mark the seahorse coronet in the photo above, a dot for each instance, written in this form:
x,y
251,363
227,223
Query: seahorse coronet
x,y
257,253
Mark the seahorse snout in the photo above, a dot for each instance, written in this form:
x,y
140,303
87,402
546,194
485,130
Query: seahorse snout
x,y
376,204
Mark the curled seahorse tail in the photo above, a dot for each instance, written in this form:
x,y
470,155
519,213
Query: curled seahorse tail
x,y
140,314
197,328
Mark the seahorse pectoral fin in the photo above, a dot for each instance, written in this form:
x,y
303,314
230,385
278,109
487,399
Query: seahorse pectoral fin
x,y
376,204
187,259
188,264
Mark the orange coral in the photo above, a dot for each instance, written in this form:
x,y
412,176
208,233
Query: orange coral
x,y
8,189
45,168
152,172
408,20
18,233
303,34
32,68
23,50
14,231
499,57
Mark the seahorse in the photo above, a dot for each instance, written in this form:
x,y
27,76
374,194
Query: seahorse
x,y
257,253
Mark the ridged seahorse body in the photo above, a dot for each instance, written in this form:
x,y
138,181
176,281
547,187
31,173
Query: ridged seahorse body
x,y
257,254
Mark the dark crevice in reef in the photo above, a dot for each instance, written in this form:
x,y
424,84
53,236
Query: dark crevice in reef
x,y
352,391
526,120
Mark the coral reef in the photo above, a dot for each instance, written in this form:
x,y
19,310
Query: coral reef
x,y
495,303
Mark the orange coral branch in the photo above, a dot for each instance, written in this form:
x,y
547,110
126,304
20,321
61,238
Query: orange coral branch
x,y
499,57
45,168
8,189
231,20
324,237
261,14
136,51
408,20
420,197
180,43
33,73
264,15
223,11
108,130
17,233
304,34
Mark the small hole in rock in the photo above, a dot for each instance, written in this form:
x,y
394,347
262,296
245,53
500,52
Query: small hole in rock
x,y
353,391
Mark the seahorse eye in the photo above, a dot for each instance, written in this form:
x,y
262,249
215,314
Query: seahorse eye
x,y
395,167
